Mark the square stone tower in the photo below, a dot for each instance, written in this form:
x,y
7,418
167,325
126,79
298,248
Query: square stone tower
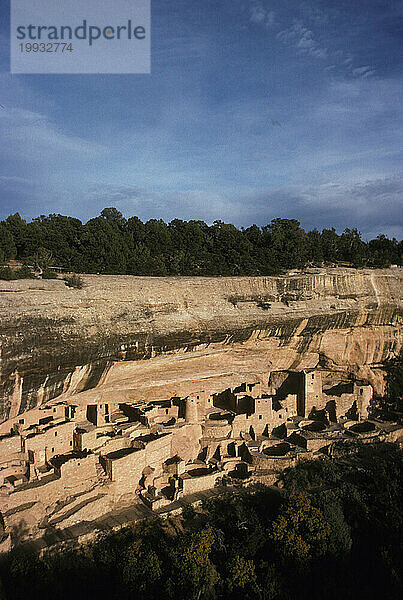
x,y
311,392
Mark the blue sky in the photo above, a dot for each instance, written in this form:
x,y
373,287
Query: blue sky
x,y
253,110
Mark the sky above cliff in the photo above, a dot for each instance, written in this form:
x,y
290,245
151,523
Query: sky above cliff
x,y
253,110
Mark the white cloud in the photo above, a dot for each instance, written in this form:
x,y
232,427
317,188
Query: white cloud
x,y
270,18
261,15
302,38
257,13
371,205
186,204
361,70
33,136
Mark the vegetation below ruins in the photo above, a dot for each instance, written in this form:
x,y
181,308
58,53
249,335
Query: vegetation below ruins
x,y
334,530
110,244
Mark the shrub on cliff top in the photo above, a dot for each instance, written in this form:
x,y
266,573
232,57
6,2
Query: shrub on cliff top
x,y
49,274
7,274
25,273
74,281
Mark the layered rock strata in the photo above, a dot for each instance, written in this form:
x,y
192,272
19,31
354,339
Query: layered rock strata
x,y
147,338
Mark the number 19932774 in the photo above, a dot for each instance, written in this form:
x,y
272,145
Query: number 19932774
x,y
48,47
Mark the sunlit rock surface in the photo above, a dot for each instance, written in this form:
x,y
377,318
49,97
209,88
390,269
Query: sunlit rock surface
x,y
147,338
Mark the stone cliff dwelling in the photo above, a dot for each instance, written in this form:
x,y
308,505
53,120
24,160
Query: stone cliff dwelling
x,y
138,394
158,452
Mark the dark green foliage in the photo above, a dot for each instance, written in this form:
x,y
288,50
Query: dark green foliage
x,y
384,252
360,495
352,249
301,531
7,274
110,244
104,248
42,259
330,245
315,244
25,272
241,578
114,217
60,236
15,227
74,281
49,274
286,243
7,246
193,573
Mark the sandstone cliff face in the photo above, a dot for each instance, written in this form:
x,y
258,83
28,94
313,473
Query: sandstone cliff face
x,y
173,333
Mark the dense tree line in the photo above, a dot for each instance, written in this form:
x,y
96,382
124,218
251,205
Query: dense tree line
x,y
111,244
333,531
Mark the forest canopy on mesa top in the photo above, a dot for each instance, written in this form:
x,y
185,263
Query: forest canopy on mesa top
x,y
111,244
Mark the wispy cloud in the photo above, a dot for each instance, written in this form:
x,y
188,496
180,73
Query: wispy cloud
x,y
199,138
371,205
363,72
108,192
303,40
302,35
374,206
31,134
143,202
10,180
262,15
257,13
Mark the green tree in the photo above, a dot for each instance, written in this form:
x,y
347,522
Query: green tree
x,y
235,515
135,231
314,247
352,248
8,248
157,237
300,532
241,578
383,252
286,244
141,262
17,228
115,217
42,260
141,569
191,247
104,248
330,245
113,245
194,574
7,274
60,235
